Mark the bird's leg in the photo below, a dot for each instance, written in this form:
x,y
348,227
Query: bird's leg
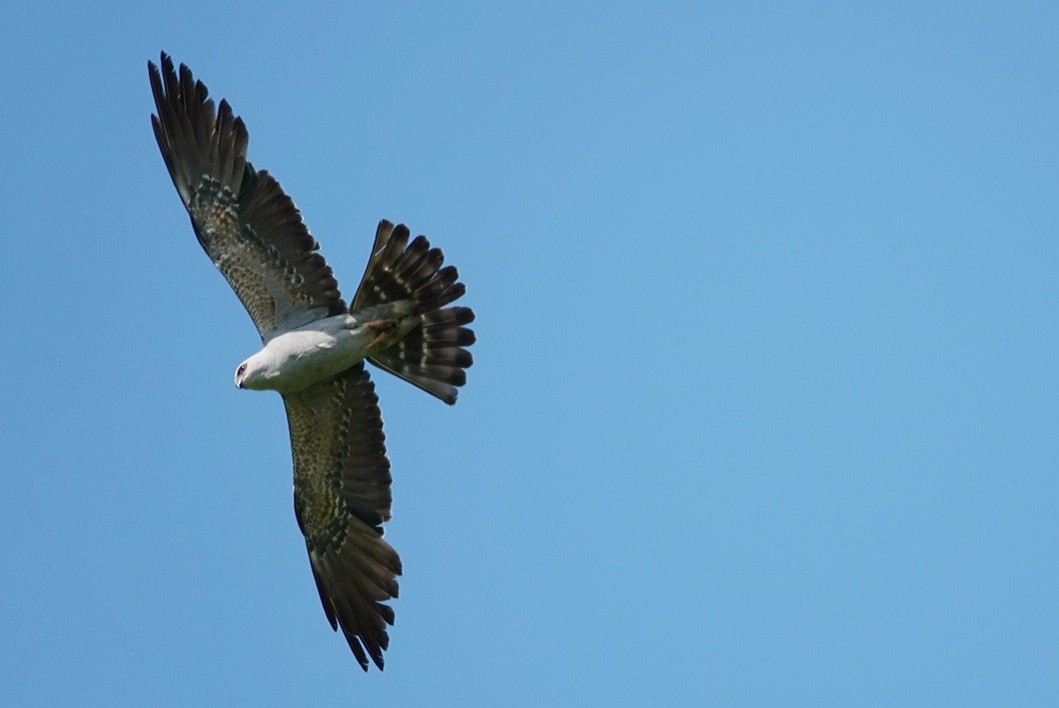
x,y
383,330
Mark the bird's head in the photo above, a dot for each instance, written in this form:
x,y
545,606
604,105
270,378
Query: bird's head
x,y
251,373
240,375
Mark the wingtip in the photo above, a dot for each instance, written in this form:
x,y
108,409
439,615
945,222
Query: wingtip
x,y
165,61
162,57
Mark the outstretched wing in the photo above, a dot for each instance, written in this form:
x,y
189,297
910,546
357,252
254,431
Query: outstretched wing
x,y
248,226
341,498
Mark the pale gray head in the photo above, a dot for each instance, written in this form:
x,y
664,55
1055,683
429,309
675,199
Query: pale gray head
x,y
252,373
240,376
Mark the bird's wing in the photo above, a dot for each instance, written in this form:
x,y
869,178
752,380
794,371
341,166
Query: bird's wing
x,y
341,498
248,226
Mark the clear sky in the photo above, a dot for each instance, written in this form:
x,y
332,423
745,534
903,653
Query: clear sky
x,y
765,403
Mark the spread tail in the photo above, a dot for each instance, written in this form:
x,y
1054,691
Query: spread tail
x,y
432,355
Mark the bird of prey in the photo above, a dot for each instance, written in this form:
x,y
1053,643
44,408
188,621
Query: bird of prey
x,y
314,346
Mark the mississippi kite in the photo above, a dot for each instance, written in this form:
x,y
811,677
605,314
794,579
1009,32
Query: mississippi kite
x,y
314,346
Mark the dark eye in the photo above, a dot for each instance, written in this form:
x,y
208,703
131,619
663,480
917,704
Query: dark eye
x,y
242,369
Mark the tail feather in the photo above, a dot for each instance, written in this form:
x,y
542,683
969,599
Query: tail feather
x,y
432,355
440,291
444,326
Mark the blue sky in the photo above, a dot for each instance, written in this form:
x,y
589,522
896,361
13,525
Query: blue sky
x,y
764,408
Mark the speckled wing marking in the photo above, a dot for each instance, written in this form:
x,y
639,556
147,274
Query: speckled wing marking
x,y
341,498
245,222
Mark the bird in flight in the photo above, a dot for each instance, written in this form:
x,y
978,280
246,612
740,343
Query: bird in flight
x,y
314,345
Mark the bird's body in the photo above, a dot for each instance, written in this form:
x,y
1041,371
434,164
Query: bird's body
x,y
314,346
293,360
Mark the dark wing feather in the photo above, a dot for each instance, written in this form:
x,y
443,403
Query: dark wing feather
x,y
248,226
341,498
